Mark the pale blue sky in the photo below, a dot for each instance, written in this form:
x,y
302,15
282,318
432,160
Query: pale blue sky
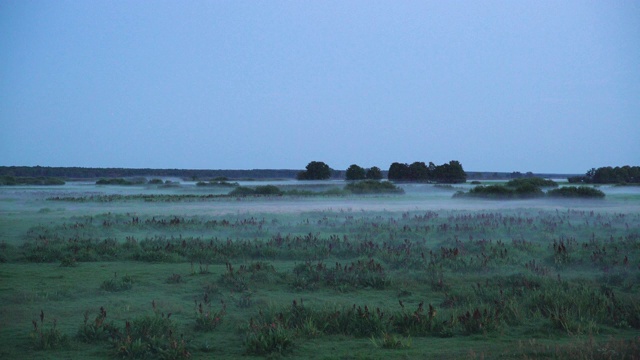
x,y
542,86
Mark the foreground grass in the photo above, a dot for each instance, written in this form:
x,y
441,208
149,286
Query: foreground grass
x,y
323,284
65,294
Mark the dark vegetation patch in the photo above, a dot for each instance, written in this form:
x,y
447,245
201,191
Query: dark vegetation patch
x,y
609,175
528,188
373,187
41,180
120,181
576,192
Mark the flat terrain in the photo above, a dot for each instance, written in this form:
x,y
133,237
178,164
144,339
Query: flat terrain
x,y
98,272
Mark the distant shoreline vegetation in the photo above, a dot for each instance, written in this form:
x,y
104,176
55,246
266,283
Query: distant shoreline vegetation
x,y
219,181
623,175
13,180
529,188
451,172
356,188
135,181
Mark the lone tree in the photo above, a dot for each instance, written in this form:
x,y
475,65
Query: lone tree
x,y
374,173
355,172
316,170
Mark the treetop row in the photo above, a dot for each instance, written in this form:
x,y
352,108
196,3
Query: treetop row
x,y
451,172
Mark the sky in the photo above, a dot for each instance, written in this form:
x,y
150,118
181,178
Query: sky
x,y
541,86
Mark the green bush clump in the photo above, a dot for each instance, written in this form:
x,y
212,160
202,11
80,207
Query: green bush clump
x,y
489,191
576,192
115,284
268,338
373,187
118,181
535,181
151,337
98,330
206,319
391,341
523,190
46,339
258,190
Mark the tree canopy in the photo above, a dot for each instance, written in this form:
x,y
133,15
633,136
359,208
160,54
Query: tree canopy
x,y
316,170
355,172
374,173
450,173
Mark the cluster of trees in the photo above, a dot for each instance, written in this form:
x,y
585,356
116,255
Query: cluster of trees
x,y
450,173
355,172
609,175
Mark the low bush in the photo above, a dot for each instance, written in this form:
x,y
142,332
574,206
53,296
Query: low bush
x,y
258,190
115,284
267,338
206,319
576,192
98,329
47,338
373,187
534,181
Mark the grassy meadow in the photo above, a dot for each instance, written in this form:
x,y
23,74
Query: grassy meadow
x,y
152,272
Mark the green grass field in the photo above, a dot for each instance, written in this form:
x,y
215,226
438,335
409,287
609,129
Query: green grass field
x,y
98,272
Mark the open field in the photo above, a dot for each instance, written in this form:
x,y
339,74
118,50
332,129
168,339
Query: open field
x,y
153,272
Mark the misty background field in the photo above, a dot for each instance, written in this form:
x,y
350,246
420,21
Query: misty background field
x,y
150,271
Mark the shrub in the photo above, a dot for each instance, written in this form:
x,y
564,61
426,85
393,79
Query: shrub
x,y
45,339
206,320
489,191
390,341
98,330
267,338
151,337
373,187
115,284
533,181
522,191
576,192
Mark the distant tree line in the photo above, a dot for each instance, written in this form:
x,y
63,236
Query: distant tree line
x,y
27,180
450,173
609,175
98,173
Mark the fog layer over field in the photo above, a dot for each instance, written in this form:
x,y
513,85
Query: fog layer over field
x,y
315,272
